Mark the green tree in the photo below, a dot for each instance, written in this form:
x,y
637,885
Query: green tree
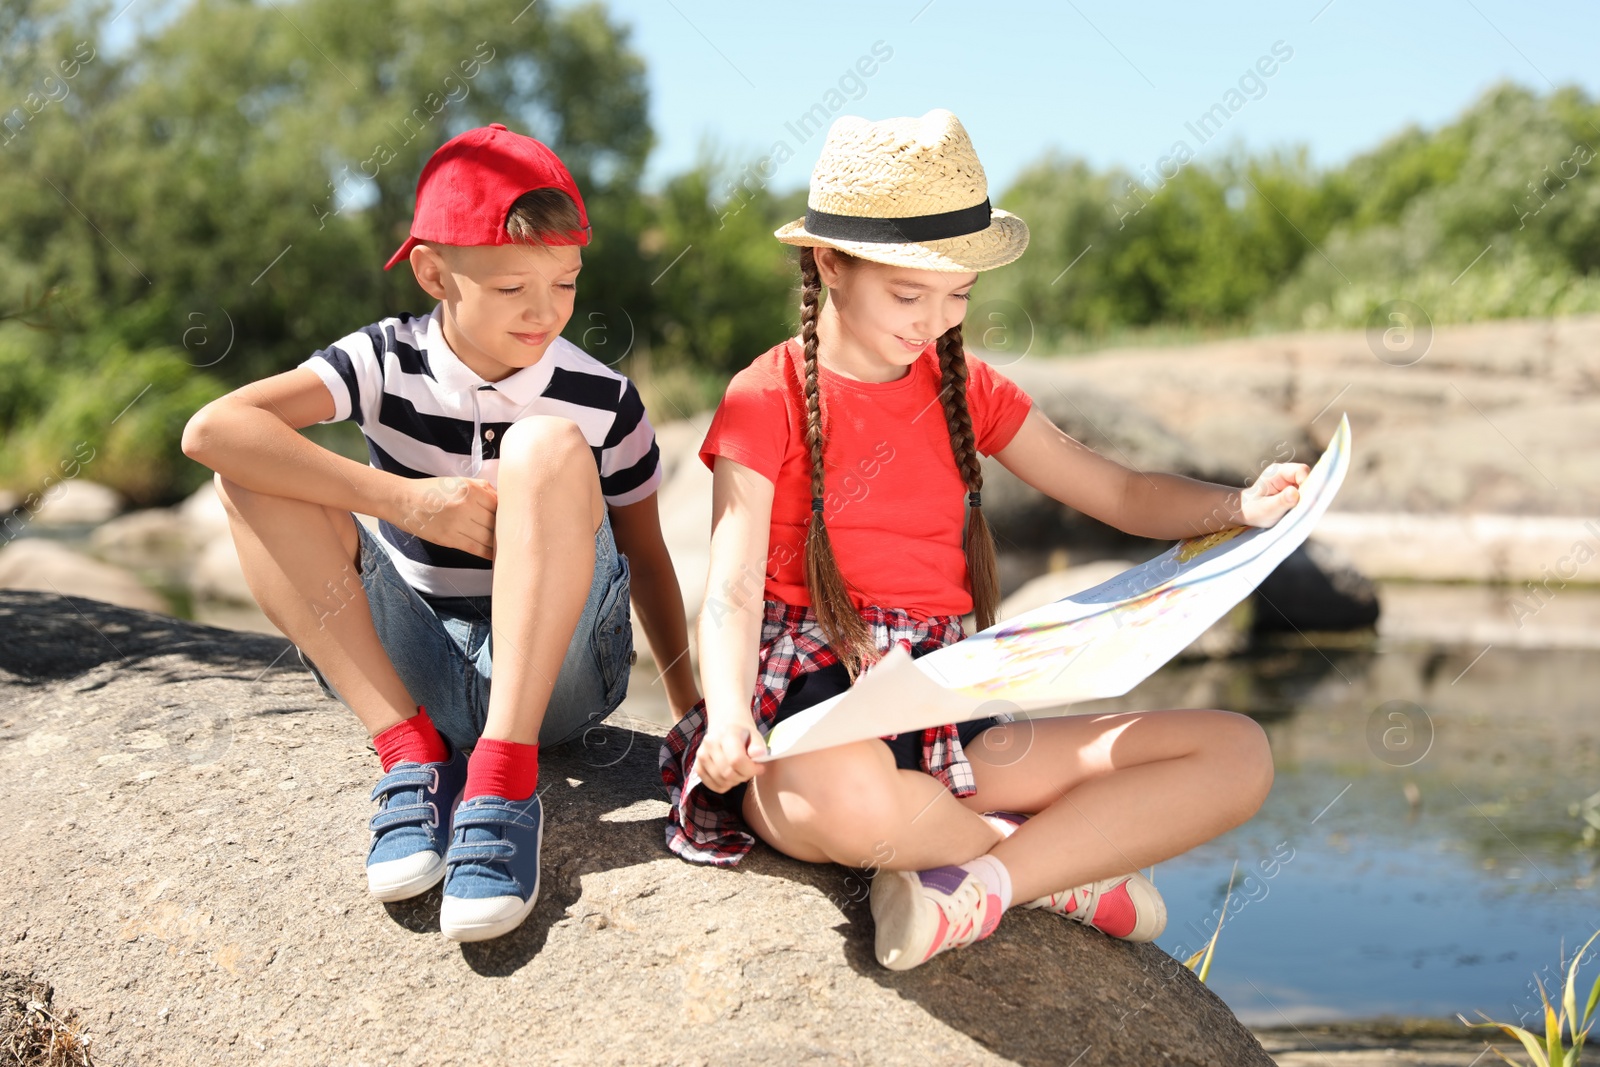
x,y
1495,214
726,290
244,170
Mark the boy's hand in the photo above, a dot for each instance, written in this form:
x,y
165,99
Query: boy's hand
x,y
454,512
725,756
1273,494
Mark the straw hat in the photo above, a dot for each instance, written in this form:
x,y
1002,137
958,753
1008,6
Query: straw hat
x,y
908,192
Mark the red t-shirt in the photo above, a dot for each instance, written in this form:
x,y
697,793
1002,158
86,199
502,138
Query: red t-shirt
x,y
894,503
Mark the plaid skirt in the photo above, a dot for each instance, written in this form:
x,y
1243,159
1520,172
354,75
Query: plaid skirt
x,y
703,826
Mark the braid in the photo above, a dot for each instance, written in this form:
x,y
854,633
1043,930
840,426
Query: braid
x,y
977,542
843,627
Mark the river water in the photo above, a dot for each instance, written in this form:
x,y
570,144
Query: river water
x,y
1419,854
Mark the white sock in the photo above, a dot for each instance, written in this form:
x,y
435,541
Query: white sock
x,y
1005,826
993,874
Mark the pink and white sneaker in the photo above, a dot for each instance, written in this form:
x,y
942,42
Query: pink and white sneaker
x,y
1126,907
919,914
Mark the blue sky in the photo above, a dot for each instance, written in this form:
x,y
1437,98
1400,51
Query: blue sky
x,y
1113,83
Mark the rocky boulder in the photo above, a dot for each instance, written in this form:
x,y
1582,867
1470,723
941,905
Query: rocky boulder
x,y
1315,588
37,563
188,819
1496,417
76,502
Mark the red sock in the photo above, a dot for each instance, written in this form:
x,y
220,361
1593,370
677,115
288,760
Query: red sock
x,y
502,769
415,740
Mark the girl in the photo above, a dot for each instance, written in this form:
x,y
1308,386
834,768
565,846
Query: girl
x,y
847,488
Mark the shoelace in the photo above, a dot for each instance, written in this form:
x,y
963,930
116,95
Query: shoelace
x,y
1088,899
970,929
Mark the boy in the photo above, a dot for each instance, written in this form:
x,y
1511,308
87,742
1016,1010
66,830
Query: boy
x,y
514,478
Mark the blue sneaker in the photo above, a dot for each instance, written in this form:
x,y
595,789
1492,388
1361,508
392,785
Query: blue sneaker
x,y
492,877
411,830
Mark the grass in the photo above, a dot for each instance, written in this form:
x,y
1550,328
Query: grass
x,y
1200,962
31,1034
1589,812
1554,1051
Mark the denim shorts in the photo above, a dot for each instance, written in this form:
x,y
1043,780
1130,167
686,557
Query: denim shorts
x,y
441,647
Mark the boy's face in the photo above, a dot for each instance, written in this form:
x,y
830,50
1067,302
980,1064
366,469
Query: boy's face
x,y
503,304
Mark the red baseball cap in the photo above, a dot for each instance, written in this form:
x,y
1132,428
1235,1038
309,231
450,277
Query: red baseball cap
x,y
468,186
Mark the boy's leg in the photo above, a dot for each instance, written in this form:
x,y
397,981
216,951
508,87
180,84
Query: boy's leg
x,y
301,562
549,510
304,566
546,520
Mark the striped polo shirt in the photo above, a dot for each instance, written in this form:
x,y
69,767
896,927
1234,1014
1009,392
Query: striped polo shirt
x,y
426,414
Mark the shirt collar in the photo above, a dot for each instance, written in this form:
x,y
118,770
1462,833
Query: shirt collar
x,y
521,388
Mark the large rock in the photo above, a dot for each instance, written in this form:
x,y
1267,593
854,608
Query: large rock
x,y
153,539
77,501
1495,417
1022,516
217,573
195,818
170,543
684,504
37,563
204,514
1315,588
1548,550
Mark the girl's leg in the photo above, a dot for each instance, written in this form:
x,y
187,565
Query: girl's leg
x,y
852,805
1110,794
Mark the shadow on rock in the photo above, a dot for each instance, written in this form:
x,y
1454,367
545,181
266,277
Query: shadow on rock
x,y
50,637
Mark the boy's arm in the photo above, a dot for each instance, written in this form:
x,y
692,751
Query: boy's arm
x,y
251,437
657,598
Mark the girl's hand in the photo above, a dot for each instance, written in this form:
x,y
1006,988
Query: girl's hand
x,y
454,512
1273,494
726,755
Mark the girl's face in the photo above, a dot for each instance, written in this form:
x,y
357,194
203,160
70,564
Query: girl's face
x,y
892,312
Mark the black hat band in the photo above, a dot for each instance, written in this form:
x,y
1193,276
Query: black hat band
x,y
910,229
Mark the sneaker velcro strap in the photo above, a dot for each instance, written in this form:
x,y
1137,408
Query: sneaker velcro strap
x,y
403,815
481,852
492,815
407,778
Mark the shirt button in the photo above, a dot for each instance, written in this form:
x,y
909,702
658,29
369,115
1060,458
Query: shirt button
x,y
488,435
